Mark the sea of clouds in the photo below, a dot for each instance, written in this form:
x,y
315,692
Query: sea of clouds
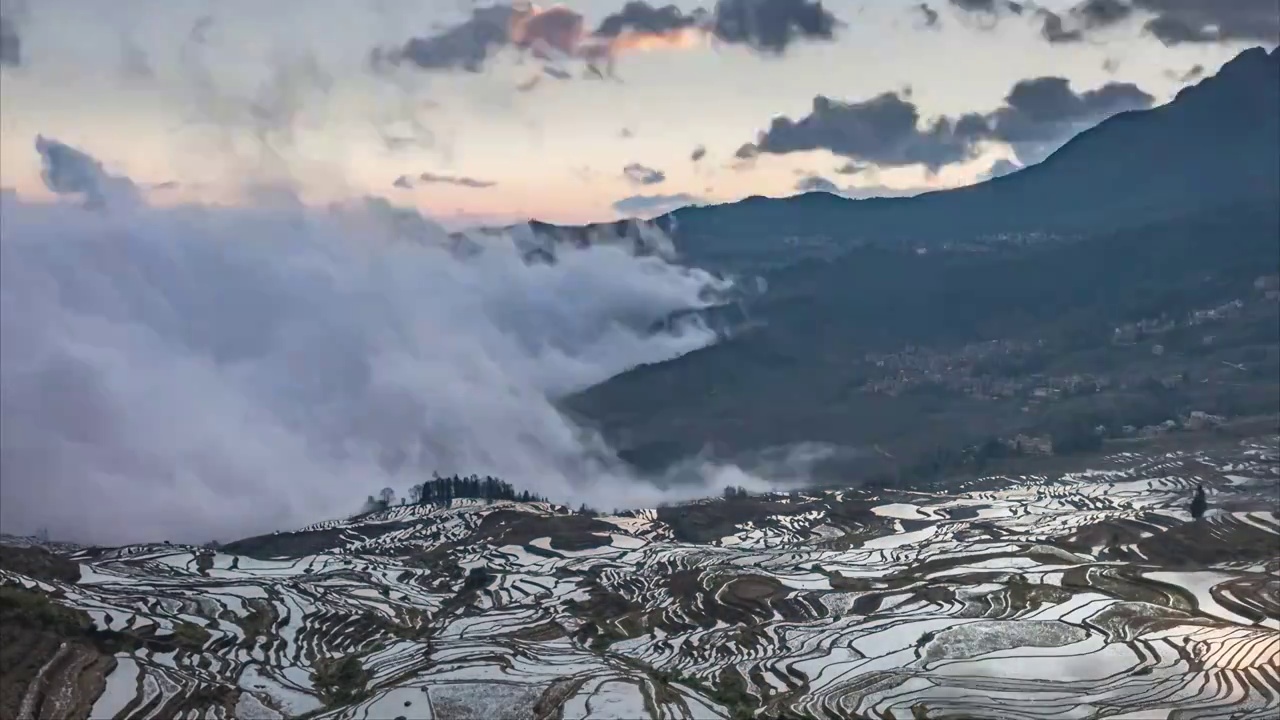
x,y
199,372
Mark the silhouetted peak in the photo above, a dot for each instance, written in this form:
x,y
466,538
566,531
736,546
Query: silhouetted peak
x,y
1244,73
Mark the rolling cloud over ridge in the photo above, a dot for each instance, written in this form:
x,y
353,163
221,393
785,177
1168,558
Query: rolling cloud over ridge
x,y
196,372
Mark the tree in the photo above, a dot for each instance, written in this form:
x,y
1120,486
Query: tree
x,y
415,494
387,495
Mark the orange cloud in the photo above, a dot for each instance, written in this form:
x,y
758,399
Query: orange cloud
x,y
561,31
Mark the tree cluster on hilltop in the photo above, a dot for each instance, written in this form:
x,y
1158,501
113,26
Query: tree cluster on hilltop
x,y
444,489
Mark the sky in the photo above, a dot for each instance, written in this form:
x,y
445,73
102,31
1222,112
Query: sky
x,y
590,110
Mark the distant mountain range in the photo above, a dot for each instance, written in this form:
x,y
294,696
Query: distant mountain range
x,y
1216,144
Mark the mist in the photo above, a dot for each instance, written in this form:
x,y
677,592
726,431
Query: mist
x,y
193,373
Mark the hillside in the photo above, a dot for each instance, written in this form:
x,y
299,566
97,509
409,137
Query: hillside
x,y
1081,594
914,355
903,329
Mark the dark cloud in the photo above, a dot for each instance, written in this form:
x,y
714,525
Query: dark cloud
x,y
884,130
426,178
643,175
816,183
772,25
987,12
887,130
1087,16
851,168
1101,13
929,14
764,25
1040,113
559,33
643,18
1208,21
698,153
988,7
465,46
654,204
10,41
747,151
1054,30
73,172
1173,22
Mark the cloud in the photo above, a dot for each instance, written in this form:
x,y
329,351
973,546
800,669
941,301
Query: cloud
x,y
1055,31
465,46
642,175
988,12
190,373
1190,75
769,26
1087,16
647,205
559,33
816,183
644,19
887,130
1192,21
1000,168
884,130
772,25
1101,13
928,14
866,192
69,171
987,6
1172,22
1038,114
426,178
698,153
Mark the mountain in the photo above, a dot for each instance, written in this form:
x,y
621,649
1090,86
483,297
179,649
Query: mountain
x,y
904,359
1216,144
908,329
1071,594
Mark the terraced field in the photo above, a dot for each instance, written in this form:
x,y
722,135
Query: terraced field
x,y
1084,595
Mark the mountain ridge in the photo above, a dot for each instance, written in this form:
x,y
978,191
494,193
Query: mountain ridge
x,y
1129,169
